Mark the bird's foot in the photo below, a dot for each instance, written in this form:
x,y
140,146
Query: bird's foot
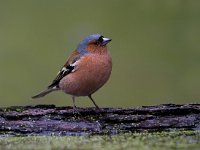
x,y
98,110
76,111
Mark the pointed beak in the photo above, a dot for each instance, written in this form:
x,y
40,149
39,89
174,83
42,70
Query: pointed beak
x,y
106,40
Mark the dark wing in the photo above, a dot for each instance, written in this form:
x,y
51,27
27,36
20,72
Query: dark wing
x,y
63,72
66,69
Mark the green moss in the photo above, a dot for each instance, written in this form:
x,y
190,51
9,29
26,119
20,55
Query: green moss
x,y
13,108
18,110
136,141
5,109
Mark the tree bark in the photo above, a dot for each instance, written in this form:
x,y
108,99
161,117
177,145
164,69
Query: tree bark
x,y
52,120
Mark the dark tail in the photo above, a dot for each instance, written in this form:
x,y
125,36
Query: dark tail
x,y
45,92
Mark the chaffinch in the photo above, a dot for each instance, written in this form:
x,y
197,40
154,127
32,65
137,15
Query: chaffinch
x,y
86,70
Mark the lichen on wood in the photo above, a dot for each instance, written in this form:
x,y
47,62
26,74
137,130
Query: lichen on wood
x,y
52,120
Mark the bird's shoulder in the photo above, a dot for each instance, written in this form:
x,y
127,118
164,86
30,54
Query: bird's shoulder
x,y
75,55
66,69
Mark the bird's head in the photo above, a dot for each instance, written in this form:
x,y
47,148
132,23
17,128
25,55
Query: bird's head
x,y
95,43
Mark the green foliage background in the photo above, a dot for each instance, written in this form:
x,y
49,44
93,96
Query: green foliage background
x,y
155,49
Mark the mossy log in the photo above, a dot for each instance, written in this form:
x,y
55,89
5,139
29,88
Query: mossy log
x,y
52,120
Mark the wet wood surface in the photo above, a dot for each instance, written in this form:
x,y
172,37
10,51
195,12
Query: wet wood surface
x,y
52,120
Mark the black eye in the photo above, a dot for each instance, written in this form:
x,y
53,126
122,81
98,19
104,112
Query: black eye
x,y
100,39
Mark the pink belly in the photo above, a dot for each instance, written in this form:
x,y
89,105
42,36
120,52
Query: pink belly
x,y
87,78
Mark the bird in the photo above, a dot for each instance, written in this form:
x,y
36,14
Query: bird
x,y
86,70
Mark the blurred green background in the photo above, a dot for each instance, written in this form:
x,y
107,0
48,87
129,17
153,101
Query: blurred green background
x,y
155,49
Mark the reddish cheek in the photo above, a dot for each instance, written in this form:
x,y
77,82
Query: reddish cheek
x,y
91,47
96,49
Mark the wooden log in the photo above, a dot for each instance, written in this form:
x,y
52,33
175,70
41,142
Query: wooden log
x,y
52,120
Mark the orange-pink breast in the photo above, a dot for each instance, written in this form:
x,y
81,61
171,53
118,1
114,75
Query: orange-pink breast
x,y
92,71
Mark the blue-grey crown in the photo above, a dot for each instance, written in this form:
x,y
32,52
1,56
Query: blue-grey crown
x,y
82,45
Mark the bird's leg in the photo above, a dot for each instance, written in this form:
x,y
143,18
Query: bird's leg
x,y
74,105
90,96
